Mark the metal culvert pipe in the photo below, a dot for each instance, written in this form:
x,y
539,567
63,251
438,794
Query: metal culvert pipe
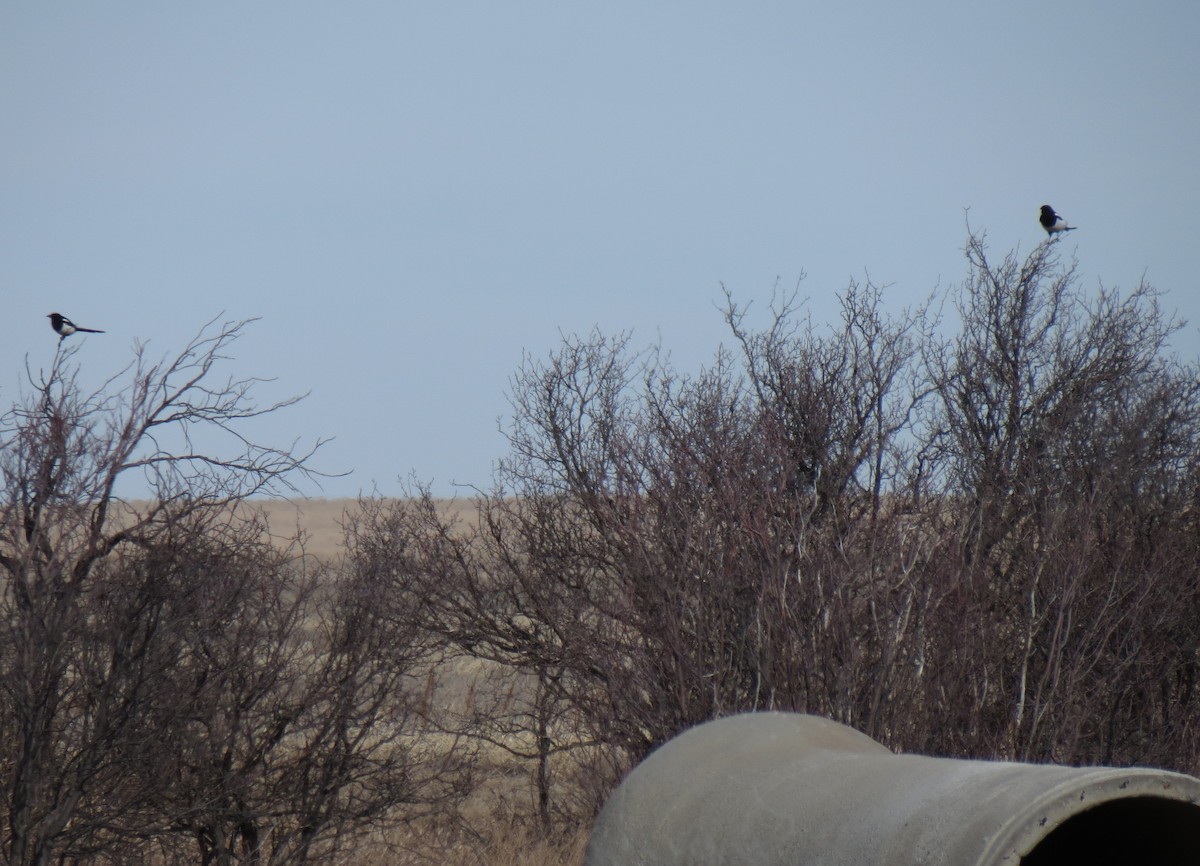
x,y
783,789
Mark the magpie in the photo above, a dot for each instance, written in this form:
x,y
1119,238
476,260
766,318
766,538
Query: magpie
x,y
1052,222
64,327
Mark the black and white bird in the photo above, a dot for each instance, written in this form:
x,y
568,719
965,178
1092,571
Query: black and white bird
x,y
64,327
1052,222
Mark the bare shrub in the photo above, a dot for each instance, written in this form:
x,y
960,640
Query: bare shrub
x,y
174,685
1063,444
662,549
978,542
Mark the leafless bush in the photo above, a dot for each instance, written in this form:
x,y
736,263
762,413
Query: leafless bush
x,y
1063,443
661,549
173,684
975,544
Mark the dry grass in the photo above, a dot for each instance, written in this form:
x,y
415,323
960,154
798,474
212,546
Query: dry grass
x,y
516,845
495,828
321,520
498,845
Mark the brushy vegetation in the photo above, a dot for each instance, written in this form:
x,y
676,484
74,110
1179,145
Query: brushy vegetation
x,y
969,529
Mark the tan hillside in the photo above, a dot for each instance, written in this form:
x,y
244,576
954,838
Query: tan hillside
x,y
321,520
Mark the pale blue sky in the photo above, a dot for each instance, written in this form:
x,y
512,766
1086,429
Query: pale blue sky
x,y
410,195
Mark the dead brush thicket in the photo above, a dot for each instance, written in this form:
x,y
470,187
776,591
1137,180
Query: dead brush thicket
x,y
972,544
463,699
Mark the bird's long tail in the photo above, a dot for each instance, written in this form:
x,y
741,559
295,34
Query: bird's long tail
x,y
88,330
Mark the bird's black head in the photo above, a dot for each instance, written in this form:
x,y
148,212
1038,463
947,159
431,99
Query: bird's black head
x,y
1047,211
